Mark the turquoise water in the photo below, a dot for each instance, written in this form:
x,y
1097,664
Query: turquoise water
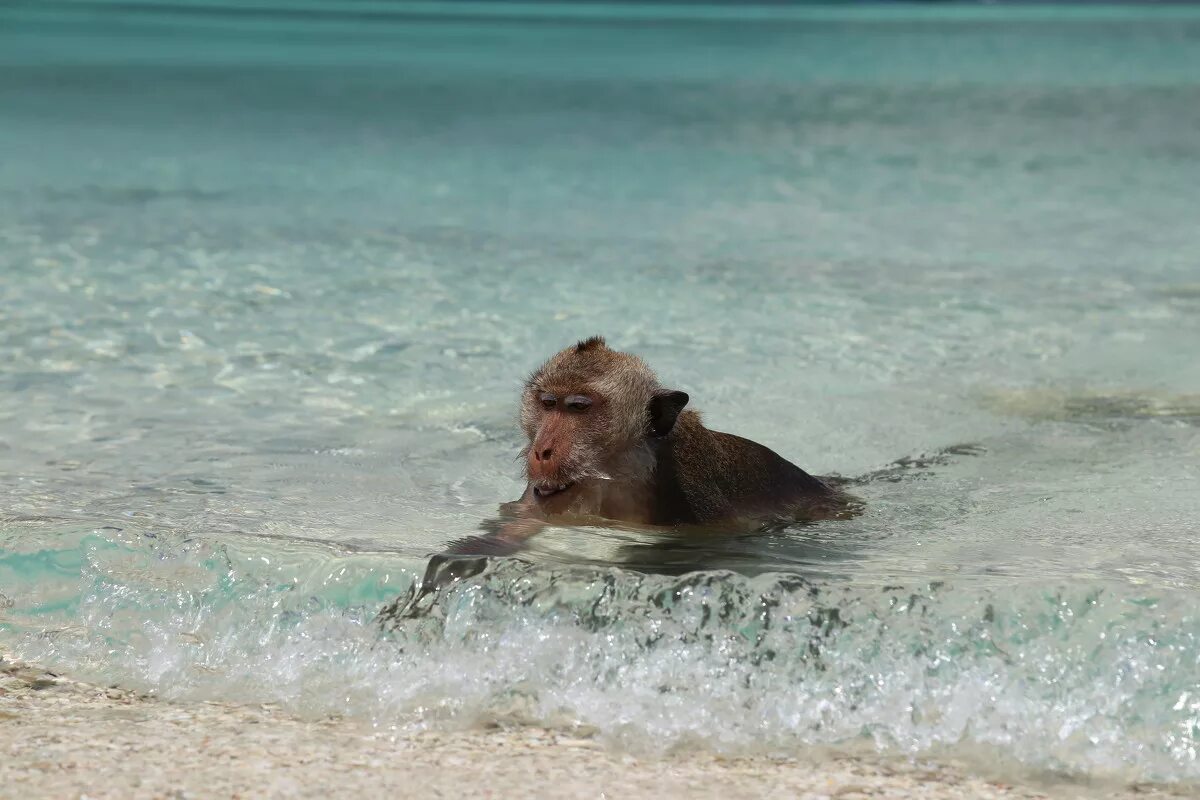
x,y
270,280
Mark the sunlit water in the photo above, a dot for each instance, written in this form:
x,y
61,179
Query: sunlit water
x,y
271,280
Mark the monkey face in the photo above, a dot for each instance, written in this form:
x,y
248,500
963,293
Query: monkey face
x,y
566,437
591,413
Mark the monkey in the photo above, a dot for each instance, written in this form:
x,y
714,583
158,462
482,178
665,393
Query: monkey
x,y
608,444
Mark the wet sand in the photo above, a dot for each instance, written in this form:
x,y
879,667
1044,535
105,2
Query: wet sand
x,y
61,738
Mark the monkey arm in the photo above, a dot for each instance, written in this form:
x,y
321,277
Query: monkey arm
x,y
505,536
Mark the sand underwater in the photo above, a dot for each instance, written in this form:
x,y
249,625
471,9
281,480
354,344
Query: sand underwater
x,y
270,279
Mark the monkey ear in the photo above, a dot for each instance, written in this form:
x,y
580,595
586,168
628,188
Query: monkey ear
x,y
664,410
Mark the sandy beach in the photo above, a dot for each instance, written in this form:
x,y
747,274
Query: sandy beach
x,y
62,738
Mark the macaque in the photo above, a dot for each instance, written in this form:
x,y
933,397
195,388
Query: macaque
x,y
607,443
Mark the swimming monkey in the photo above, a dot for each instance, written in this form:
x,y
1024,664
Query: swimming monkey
x,y
608,442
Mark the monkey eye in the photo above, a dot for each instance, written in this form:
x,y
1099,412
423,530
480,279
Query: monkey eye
x,y
578,402
548,400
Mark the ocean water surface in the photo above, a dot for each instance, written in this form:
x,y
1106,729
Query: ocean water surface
x,y
270,279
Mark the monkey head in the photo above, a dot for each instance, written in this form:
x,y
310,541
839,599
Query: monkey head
x,y
590,414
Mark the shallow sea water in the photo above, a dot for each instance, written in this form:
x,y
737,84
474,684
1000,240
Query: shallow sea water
x,y
270,281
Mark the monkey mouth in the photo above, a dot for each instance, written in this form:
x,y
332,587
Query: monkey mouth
x,y
545,490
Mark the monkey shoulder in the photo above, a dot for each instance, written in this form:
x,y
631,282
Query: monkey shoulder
x,y
710,476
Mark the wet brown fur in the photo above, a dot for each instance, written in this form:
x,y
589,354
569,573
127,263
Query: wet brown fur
x,y
620,467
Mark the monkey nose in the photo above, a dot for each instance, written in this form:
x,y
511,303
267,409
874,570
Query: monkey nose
x,y
543,455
